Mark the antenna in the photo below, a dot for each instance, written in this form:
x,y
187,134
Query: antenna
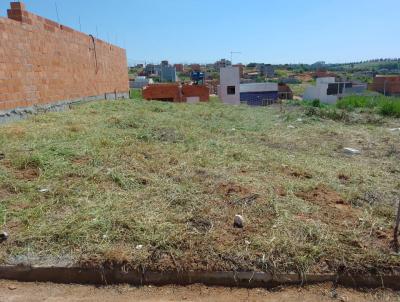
x,y
58,17
232,53
80,25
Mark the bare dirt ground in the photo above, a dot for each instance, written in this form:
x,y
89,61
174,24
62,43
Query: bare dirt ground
x,y
14,291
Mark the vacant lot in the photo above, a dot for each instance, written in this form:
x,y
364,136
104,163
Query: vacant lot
x,y
157,185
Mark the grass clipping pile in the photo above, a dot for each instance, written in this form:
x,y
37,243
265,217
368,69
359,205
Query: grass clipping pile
x,y
156,186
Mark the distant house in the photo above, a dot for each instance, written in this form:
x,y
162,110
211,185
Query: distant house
x,y
328,90
241,69
284,92
266,70
387,85
324,74
259,94
251,75
222,64
139,82
195,67
179,67
232,92
152,69
168,74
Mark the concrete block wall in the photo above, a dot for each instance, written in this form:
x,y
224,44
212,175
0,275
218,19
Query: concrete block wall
x,y
43,62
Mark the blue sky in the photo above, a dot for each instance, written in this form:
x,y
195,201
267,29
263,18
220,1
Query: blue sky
x,y
270,31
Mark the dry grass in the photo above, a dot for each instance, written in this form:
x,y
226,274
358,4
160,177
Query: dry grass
x,y
156,185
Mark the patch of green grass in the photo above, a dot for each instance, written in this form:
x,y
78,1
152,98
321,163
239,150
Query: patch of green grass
x,y
390,108
386,106
156,185
136,94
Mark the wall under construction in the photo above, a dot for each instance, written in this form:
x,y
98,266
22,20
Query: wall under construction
x,y
388,85
43,62
176,92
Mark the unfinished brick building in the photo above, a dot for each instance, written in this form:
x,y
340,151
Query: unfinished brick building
x,y
176,93
284,92
387,85
43,62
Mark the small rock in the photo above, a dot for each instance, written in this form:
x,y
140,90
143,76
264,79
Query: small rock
x,y
299,120
12,287
238,222
351,151
44,190
3,236
291,127
139,247
394,129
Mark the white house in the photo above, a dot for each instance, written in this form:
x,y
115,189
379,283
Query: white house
x,y
320,91
140,82
327,90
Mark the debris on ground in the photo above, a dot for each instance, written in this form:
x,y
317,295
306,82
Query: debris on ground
x,y
238,222
351,151
394,129
291,127
44,190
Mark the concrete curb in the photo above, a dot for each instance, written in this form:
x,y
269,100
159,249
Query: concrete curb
x,y
22,113
75,275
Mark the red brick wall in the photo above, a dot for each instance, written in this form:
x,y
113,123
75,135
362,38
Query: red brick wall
x,y
390,85
175,92
169,92
43,62
202,92
179,67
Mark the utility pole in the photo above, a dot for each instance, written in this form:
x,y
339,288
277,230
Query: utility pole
x,y
384,87
396,231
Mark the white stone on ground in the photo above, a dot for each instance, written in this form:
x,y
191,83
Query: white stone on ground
x,y
351,151
238,222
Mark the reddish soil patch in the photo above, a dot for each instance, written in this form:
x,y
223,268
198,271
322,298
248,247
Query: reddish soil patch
x,y
341,216
296,173
230,189
281,191
28,174
81,160
334,210
323,196
15,131
4,193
